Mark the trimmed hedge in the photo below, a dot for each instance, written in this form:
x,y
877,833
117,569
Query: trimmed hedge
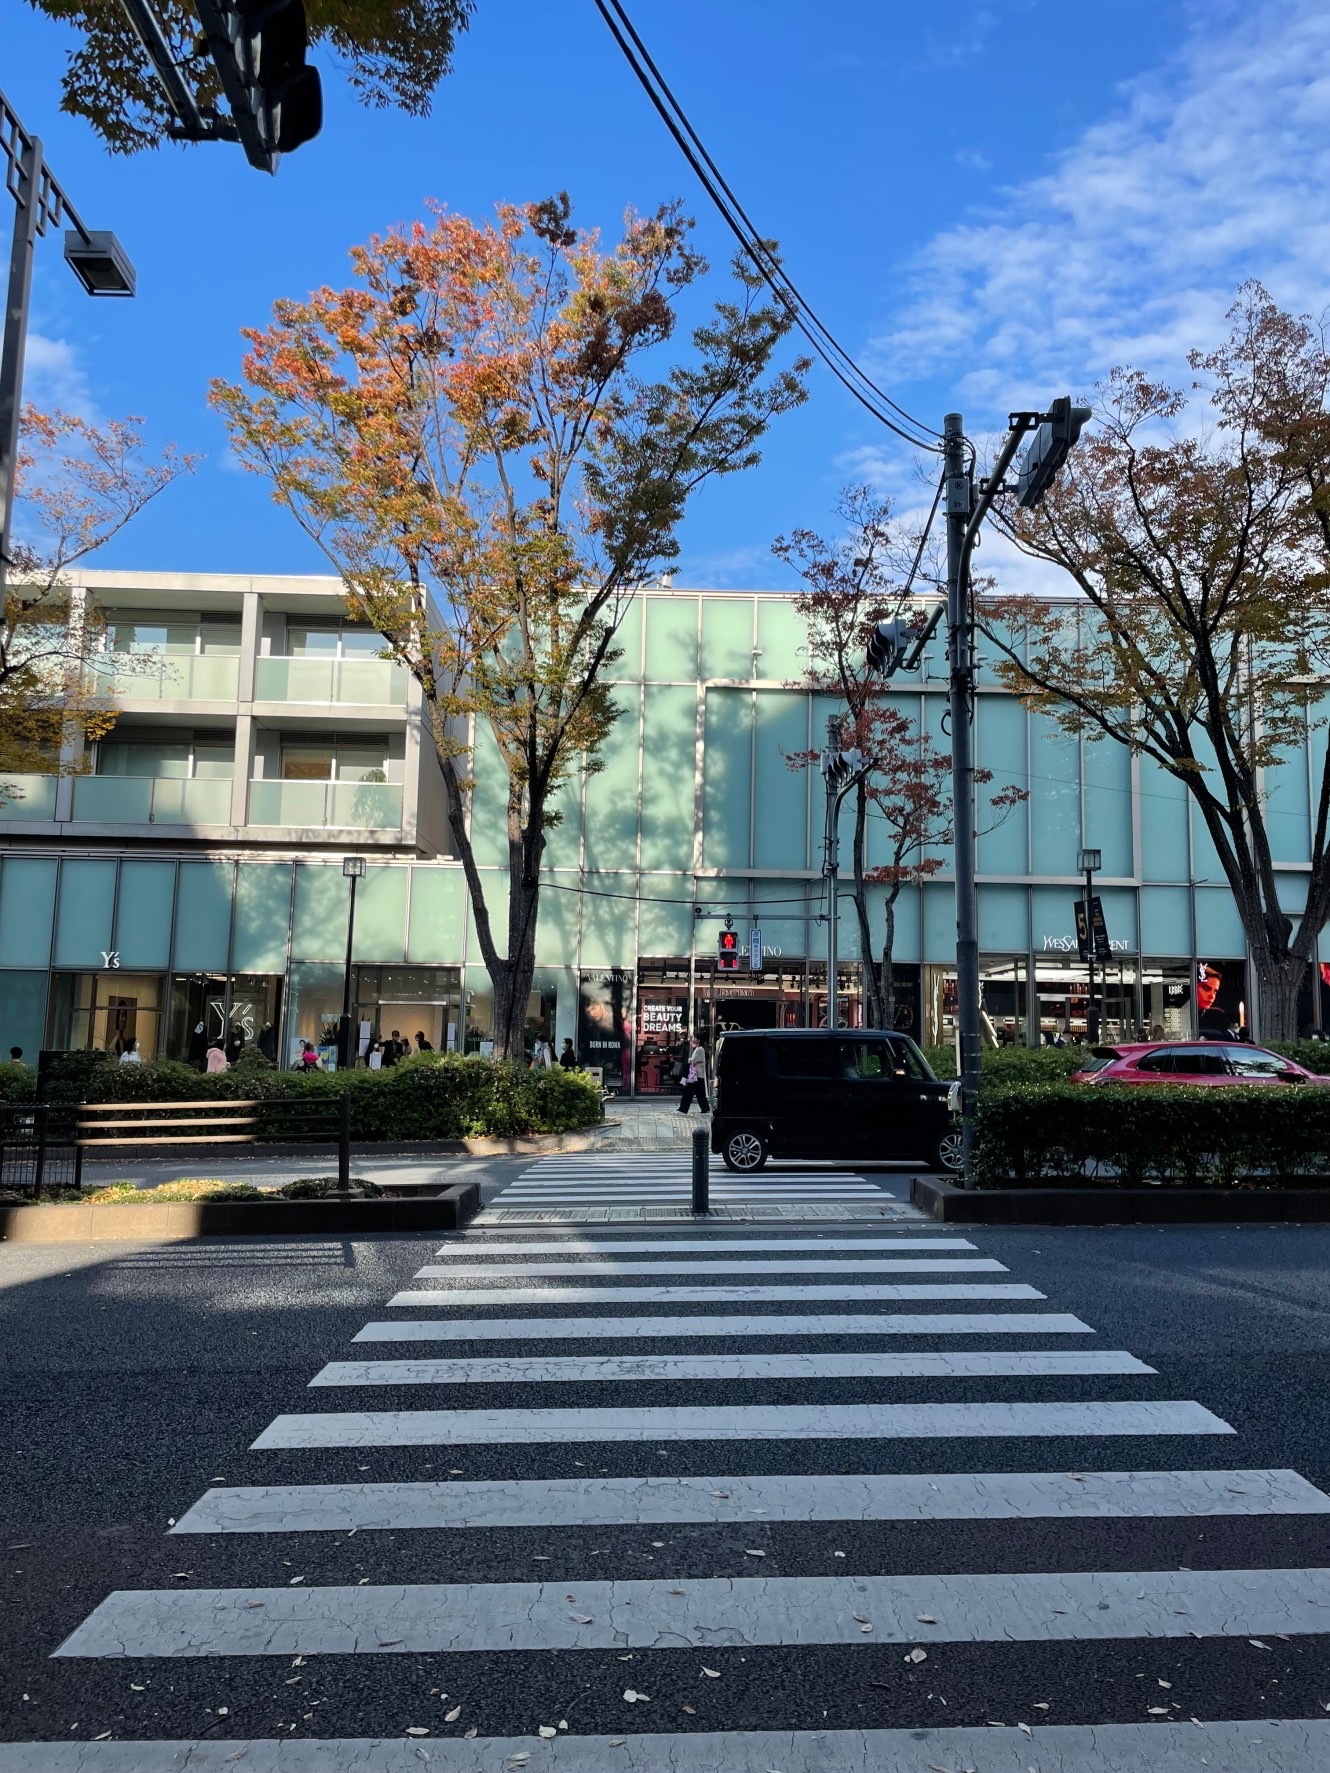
x,y
17,1083
427,1096
1010,1065
1123,1136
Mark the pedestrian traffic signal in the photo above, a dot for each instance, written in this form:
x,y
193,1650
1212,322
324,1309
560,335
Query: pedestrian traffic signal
x,y
727,951
259,47
889,646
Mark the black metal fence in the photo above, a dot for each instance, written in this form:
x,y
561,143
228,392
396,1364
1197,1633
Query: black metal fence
x,y
39,1147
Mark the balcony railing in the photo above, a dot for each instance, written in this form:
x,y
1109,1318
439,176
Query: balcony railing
x,y
169,677
377,682
38,798
152,800
351,806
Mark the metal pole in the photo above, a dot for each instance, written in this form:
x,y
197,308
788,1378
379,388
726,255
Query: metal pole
x,y
1091,1029
344,1142
344,1057
27,196
959,495
833,903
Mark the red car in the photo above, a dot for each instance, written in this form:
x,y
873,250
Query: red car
x,y
1191,1062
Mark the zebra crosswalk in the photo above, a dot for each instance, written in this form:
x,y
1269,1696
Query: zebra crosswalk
x,y
572,1182
792,1539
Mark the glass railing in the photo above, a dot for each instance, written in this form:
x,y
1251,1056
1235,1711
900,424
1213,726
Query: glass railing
x,y
376,681
38,797
352,806
168,677
152,800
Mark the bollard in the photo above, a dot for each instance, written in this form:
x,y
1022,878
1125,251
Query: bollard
x,y
701,1170
344,1142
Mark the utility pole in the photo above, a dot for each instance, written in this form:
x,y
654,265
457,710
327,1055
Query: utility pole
x,y
957,502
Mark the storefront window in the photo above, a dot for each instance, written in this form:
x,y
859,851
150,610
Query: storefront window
x,y
1168,1000
479,1008
315,1011
413,1000
241,1010
849,991
106,1011
1002,998
662,1024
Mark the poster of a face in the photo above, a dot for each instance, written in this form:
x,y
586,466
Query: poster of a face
x,y
605,1025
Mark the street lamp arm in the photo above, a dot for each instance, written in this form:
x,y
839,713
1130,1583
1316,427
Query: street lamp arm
x,y
1021,423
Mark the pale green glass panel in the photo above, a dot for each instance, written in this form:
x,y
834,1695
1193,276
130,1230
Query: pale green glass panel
x,y
23,1013
489,815
138,758
1164,801
665,929
1165,914
563,842
628,639
1055,798
143,914
438,899
198,801
671,655
906,944
939,924
494,886
381,914
727,637
378,681
727,778
288,803
670,748
213,677
365,806
27,907
1288,807
781,632
1120,917
1291,891
1053,919
1107,767
1000,743
263,911
113,800
35,798
203,917
1205,858
1218,927
990,654
1003,919
556,927
608,924
611,794
780,814
318,929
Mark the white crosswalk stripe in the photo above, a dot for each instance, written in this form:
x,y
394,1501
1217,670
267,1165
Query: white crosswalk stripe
x,y
836,1437
569,1180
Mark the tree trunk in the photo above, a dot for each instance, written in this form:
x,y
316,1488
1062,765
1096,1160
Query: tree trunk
x,y
875,1002
888,976
1278,988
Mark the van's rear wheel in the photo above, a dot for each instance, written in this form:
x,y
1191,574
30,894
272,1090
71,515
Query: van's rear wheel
x,y
950,1152
744,1151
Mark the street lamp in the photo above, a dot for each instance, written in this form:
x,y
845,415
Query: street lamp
x,y
96,259
1088,863
353,869
841,770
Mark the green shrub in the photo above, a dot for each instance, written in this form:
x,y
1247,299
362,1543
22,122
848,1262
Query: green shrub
x,y
1008,1065
1314,1055
1124,1136
17,1083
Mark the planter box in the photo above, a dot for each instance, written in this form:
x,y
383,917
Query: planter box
x,y
1119,1206
173,1221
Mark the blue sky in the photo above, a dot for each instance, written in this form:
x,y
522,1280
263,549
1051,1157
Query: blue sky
x,y
986,215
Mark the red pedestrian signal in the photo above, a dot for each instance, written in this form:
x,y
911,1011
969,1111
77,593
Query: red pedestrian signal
x,y
727,951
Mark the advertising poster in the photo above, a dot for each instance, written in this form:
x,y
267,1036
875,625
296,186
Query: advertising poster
x,y
605,1026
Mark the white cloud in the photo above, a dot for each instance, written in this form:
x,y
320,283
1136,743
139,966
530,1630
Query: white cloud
x,y
1214,169
53,375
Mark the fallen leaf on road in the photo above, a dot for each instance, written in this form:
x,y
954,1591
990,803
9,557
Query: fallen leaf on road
x,y
451,1717
925,1619
838,1554
917,1656
865,1628
580,1618
416,1730
1256,1644
659,1544
471,1732
519,1760
299,1661
134,1689
678,1591
632,1696
1028,1731
749,1553
1157,1711
618,1741
1166,1683
547,1731
104,1737
690,1709
862,1618
712,1674
388,1643
294,1580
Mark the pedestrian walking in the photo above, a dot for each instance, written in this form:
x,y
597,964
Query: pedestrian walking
x,y
568,1058
217,1059
695,1080
423,1045
129,1053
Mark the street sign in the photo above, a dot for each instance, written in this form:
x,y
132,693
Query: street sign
x,y
1082,930
1103,948
755,951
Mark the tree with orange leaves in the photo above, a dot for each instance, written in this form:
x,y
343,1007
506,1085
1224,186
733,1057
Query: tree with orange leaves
x,y
76,485
470,435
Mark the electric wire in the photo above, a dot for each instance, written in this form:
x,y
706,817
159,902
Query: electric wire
x,y
824,343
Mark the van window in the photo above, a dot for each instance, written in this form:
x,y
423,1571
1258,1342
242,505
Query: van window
x,y
907,1058
738,1058
806,1058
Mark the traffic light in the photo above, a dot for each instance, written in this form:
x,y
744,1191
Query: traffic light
x,y
259,47
889,646
727,951
1052,444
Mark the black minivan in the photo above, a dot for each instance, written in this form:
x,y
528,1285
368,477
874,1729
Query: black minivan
x,y
851,1093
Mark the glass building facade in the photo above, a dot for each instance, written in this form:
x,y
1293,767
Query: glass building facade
x,y
169,935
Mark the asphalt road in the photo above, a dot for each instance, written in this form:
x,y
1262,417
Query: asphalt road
x,y
136,1380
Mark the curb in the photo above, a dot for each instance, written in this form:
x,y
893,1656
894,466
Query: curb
x,y
1119,1206
173,1221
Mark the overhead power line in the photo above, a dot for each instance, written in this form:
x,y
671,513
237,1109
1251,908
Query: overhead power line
x,y
824,343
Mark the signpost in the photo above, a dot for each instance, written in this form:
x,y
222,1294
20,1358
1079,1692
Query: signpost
x,y
755,950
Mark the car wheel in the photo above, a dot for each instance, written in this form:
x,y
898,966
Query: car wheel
x,y
745,1151
950,1154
